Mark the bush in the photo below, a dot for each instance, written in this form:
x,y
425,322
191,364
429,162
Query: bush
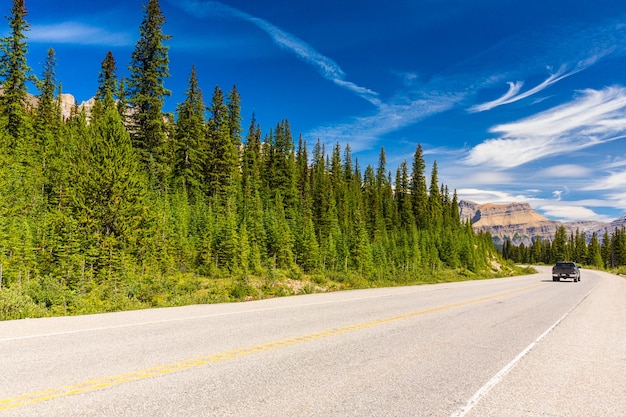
x,y
15,305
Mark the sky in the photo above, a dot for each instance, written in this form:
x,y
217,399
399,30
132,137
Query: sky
x,y
515,100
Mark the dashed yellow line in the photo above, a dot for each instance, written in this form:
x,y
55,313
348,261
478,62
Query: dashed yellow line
x,y
111,381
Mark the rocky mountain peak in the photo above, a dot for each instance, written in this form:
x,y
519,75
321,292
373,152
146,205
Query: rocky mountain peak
x,y
491,214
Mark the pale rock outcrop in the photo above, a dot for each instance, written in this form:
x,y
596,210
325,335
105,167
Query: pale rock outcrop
x,y
68,103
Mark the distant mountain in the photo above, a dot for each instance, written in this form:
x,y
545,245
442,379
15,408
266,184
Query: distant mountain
x,y
520,223
67,102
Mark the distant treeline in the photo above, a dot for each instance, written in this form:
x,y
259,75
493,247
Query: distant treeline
x,y
122,207
608,253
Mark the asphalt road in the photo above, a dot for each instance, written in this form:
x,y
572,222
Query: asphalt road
x,y
523,346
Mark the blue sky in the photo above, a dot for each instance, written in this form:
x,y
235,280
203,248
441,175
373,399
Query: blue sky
x,y
516,100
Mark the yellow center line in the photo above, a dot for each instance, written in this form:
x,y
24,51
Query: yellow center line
x,y
107,382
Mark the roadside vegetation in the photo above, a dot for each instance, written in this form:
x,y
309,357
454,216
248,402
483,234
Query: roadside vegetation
x,y
122,207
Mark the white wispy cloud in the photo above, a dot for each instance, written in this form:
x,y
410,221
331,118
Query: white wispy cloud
x,y
514,89
514,95
328,68
612,181
363,131
592,118
483,196
565,171
78,34
570,212
618,199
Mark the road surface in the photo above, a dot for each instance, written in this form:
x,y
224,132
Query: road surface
x,y
524,346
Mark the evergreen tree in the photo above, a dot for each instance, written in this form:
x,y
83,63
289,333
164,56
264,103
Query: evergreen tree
x,y
435,205
234,117
14,73
385,190
403,197
419,190
559,245
107,79
320,191
594,254
221,154
302,169
107,86
149,67
47,123
190,140
251,160
48,112
372,210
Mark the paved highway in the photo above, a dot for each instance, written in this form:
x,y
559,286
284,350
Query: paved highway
x,y
523,346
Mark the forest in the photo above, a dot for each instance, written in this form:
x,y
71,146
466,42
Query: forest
x,y
122,206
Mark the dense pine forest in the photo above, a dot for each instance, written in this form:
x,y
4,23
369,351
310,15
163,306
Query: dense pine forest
x,y
120,206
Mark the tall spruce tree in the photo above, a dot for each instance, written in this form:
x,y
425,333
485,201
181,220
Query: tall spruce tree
x,y
149,67
108,85
48,111
403,197
190,139
47,124
435,205
14,73
419,189
234,117
221,158
251,160
384,189
302,169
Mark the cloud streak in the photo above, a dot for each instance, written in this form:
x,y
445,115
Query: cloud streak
x,y
328,68
77,34
514,95
592,118
363,131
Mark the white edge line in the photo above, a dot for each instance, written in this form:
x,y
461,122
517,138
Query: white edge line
x,y
495,380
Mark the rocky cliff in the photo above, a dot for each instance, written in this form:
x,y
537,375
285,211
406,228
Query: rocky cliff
x,y
68,103
520,223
